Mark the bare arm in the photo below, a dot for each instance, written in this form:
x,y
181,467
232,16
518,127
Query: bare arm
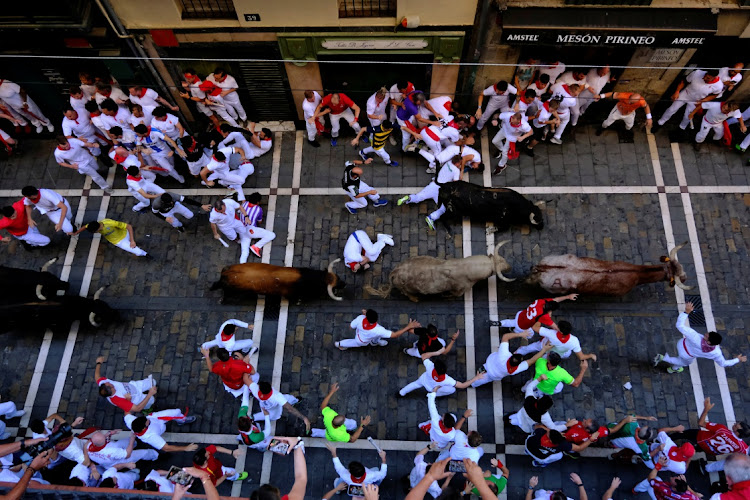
x,y
170,448
612,487
628,419
300,476
463,418
39,462
140,406
294,411
99,360
29,209
363,422
707,405
131,235
327,399
410,326
579,378
464,385
205,353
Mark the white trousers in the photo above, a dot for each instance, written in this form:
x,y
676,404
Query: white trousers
x,y
225,112
745,142
353,248
312,130
502,142
167,163
238,393
349,424
491,109
444,390
238,229
406,137
550,459
682,359
180,209
718,129
90,169
347,115
125,245
232,100
682,100
536,347
380,152
575,112
195,167
362,201
54,217
262,235
615,115
34,238
564,119
430,192
645,487
234,177
274,413
6,410
436,147
32,113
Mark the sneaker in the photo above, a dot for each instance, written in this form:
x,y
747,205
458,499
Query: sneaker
x,y
181,229
499,169
382,342
529,152
655,127
351,210
39,129
403,200
51,127
241,476
253,350
405,350
255,250
494,323
499,155
675,370
338,345
109,191
555,140
536,463
19,413
739,148
430,222
333,142
362,155
431,170
702,466
314,144
387,239
186,420
658,359
392,140
393,163
139,208
379,203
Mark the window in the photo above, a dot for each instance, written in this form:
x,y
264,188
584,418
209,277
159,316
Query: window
x,y
367,8
208,9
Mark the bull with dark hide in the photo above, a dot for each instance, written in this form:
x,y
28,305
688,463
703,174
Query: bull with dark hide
x,y
501,206
27,285
426,275
57,312
293,283
562,274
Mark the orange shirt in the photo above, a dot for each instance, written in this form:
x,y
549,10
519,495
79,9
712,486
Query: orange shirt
x,y
625,106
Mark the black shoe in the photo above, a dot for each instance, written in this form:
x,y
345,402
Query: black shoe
x,y
148,256
655,128
702,466
600,130
506,419
181,229
572,454
529,152
314,144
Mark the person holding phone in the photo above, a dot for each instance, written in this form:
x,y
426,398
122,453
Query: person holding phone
x,y
356,474
270,492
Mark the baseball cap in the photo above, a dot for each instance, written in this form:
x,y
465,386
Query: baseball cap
x,y
682,453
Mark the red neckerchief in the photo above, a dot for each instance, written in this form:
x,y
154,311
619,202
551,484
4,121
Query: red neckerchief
x,y
93,448
545,441
436,377
546,105
494,86
120,159
359,479
366,325
95,113
264,397
143,92
352,265
225,77
510,367
714,80
562,337
136,179
453,124
225,337
192,146
565,86
516,126
430,339
445,429
107,94
141,433
705,346
61,149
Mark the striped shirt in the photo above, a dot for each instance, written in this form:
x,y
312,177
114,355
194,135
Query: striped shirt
x,y
378,136
254,214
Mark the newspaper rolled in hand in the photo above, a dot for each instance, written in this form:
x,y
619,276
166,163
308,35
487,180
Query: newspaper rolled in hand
x,y
374,444
226,245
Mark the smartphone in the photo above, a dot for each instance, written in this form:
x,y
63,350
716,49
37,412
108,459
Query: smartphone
x,y
355,490
278,447
179,476
456,466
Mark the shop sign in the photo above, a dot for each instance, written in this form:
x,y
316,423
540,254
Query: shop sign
x,y
580,37
377,44
666,55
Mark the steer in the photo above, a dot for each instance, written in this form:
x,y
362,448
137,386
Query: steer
x,y
501,206
57,312
28,285
294,283
561,274
425,275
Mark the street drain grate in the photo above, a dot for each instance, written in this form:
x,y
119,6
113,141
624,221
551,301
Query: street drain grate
x,y
697,318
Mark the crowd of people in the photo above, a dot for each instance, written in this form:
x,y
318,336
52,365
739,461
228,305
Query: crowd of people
x,y
139,132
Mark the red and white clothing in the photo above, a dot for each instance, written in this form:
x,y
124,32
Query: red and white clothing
x,y
231,226
232,373
254,216
694,345
232,99
167,126
115,452
124,480
146,119
366,333
47,204
256,151
273,403
120,119
376,108
498,101
728,80
308,110
229,341
116,95
716,439
140,182
442,105
82,128
498,366
163,484
544,116
441,435
461,449
569,78
80,155
147,97
662,490
527,318
437,137
553,71
339,111
695,90
447,173
562,344
157,425
158,151
714,119
221,172
136,389
79,104
372,476
431,379
217,104
508,134
567,102
23,110
675,461
359,245
195,91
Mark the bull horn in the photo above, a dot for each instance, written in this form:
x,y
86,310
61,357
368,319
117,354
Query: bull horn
x,y
48,263
673,253
44,270
497,254
532,219
505,279
99,292
540,203
332,295
497,247
678,282
330,266
92,319
39,292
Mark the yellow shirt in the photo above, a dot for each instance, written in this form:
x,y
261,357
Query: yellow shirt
x,y
114,231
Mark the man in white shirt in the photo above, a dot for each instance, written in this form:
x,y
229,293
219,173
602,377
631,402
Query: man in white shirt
x,y
369,332
596,80
442,432
78,99
502,363
567,95
449,172
359,250
24,106
226,338
715,116
218,169
141,187
77,125
153,143
274,402
561,341
376,107
694,345
498,94
141,115
228,86
121,477
114,115
419,471
435,377
73,153
49,203
149,430
148,98
260,142
106,91
108,453
698,87
357,474
193,92
312,125
577,77
730,77
222,218
554,70
514,128
167,123
466,446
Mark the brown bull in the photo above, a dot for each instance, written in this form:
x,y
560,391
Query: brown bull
x,y
288,282
562,274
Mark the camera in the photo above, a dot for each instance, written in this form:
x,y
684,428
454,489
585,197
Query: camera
x,y
62,432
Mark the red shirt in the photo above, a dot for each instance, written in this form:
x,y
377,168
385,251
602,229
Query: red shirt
x,y
344,104
533,313
664,491
739,491
717,439
231,372
213,466
577,434
18,226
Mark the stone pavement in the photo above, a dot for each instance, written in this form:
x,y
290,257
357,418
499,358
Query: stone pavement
x,y
603,198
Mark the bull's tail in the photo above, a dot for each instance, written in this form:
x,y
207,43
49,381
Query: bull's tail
x,y
382,292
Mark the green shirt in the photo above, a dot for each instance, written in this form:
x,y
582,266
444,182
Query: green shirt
x,y
336,434
554,377
113,231
630,430
500,482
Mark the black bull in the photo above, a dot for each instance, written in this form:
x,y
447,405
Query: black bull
x,y
501,206
57,313
28,285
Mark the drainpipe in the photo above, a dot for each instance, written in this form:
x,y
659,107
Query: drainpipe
x,y
478,44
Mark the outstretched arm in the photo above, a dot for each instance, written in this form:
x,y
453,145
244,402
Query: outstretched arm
x,y
331,392
294,411
612,487
707,405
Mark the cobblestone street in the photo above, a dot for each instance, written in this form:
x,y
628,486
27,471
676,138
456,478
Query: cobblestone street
x,y
601,198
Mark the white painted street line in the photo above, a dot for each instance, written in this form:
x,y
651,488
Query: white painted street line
x,y
471,370
700,274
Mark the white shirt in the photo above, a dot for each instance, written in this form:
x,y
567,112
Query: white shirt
x,y
155,142
98,122
229,344
79,104
48,424
726,79
499,99
76,154
595,82
221,167
145,119
461,449
697,89
154,431
442,439
427,380
545,495
115,95
544,116
109,455
125,480
308,107
121,119
447,154
692,344
228,83
569,79
80,127
277,399
513,133
371,475
371,335
164,484
448,173
48,201
149,99
74,451
134,185
558,346
235,140
9,92
376,108
715,116
672,465
439,104
168,126
418,472
497,363
552,71
538,90
255,151
567,101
